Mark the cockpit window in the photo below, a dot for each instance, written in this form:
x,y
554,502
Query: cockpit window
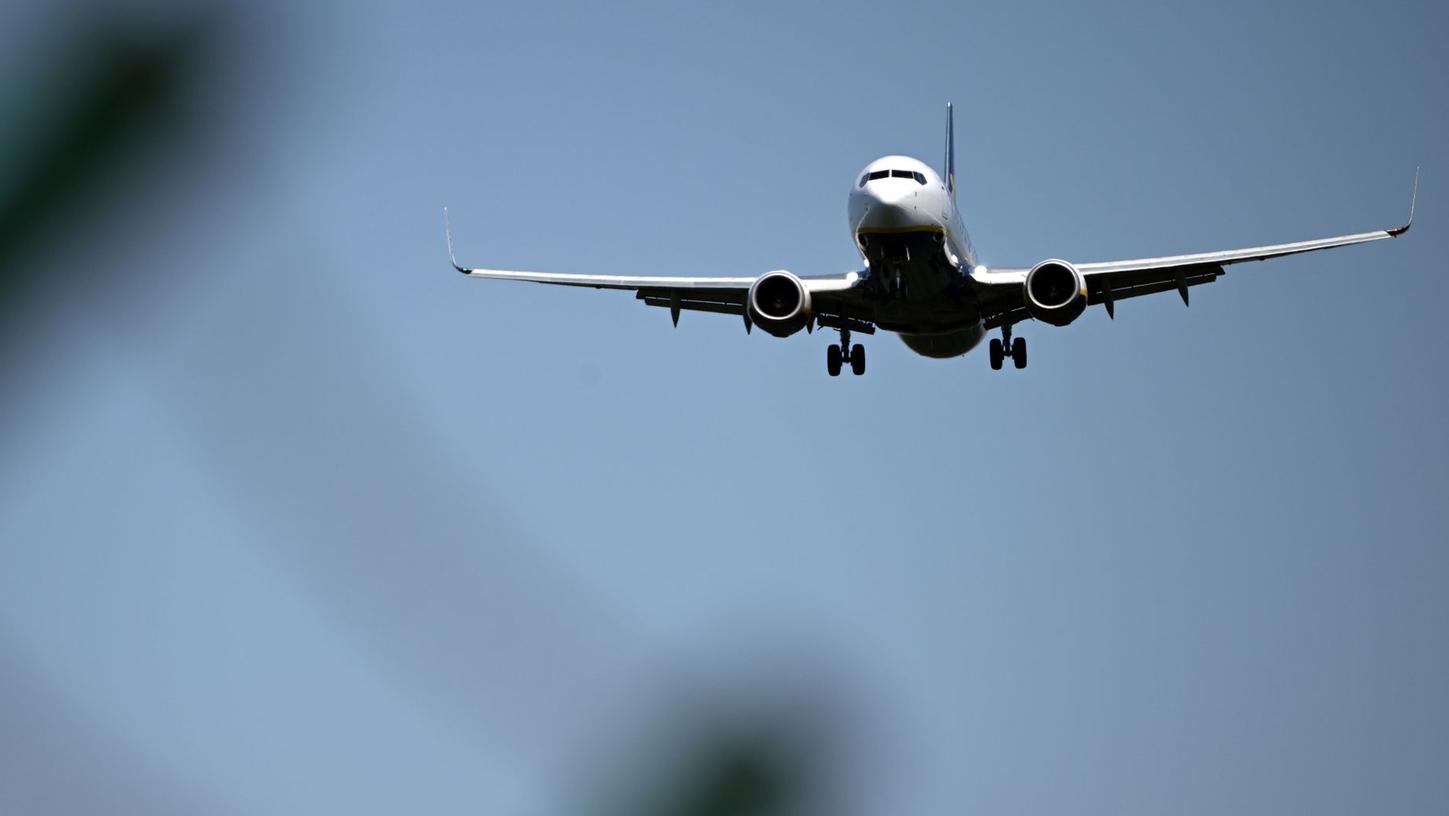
x,y
919,177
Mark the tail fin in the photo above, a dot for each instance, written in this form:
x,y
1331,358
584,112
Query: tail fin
x,y
950,171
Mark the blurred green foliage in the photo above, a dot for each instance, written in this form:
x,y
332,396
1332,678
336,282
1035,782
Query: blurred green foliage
x,y
116,91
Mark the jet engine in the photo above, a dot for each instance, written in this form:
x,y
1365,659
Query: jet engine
x,y
779,303
1055,292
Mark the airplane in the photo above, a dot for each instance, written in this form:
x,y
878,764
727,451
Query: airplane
x,y
922,278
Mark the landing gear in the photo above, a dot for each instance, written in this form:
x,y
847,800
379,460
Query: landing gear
x,y
1006,347
837,355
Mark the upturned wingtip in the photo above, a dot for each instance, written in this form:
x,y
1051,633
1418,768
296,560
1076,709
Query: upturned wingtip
x,y
448,233
1413,203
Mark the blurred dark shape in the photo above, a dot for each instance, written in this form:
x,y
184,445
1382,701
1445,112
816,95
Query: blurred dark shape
x,y
119,91
778,743
749,769
735,774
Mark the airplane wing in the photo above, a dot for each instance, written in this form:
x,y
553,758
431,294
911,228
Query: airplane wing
x,y
1111,281
832,295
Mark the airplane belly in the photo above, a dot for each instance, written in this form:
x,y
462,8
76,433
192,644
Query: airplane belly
x,y
946,344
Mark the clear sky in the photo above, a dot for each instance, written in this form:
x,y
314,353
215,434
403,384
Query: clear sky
x,y
297,520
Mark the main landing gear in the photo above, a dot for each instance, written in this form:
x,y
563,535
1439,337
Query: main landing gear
x,y
845,353
1006,347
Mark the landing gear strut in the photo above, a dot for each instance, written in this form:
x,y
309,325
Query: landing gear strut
x,y
844,353
1006,347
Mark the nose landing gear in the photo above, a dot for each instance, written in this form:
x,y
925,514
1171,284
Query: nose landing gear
x,y
836,355
1006,347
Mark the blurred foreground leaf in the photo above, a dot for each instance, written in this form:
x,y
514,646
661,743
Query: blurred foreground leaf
x,y
739,777
117,90
723,756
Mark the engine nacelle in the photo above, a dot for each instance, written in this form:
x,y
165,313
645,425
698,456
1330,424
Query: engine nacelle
x,y
779,303
1055,292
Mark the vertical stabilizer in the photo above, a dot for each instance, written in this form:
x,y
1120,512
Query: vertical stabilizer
x,y
950,171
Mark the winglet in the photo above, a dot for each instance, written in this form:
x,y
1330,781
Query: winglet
x,y
1413,200
448,231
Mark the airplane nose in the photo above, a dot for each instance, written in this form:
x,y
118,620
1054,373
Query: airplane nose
x,y
888,208
888,195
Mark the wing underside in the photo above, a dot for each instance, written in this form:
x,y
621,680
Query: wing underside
x,y
1110,281
1002,305
831,294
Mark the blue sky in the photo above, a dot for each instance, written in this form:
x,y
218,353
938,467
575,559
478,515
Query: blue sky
x,y
297,520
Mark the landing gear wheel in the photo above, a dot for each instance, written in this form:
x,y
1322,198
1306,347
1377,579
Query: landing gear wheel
x,y
1018,352
995,354
832,360
857,360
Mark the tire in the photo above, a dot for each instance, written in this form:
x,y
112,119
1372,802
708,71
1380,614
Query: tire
x,y
1018,352
995,354
832,360
857,359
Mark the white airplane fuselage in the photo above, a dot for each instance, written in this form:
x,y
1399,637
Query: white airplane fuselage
x,y
917,253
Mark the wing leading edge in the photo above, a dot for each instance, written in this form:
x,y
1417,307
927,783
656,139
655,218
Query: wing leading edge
x,y
593,281
705,294
1110,281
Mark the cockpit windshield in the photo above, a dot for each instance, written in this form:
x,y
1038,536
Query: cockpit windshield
x,y
919,177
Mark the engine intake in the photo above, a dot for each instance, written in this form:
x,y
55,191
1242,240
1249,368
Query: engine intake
x,y
779,303
1056,292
